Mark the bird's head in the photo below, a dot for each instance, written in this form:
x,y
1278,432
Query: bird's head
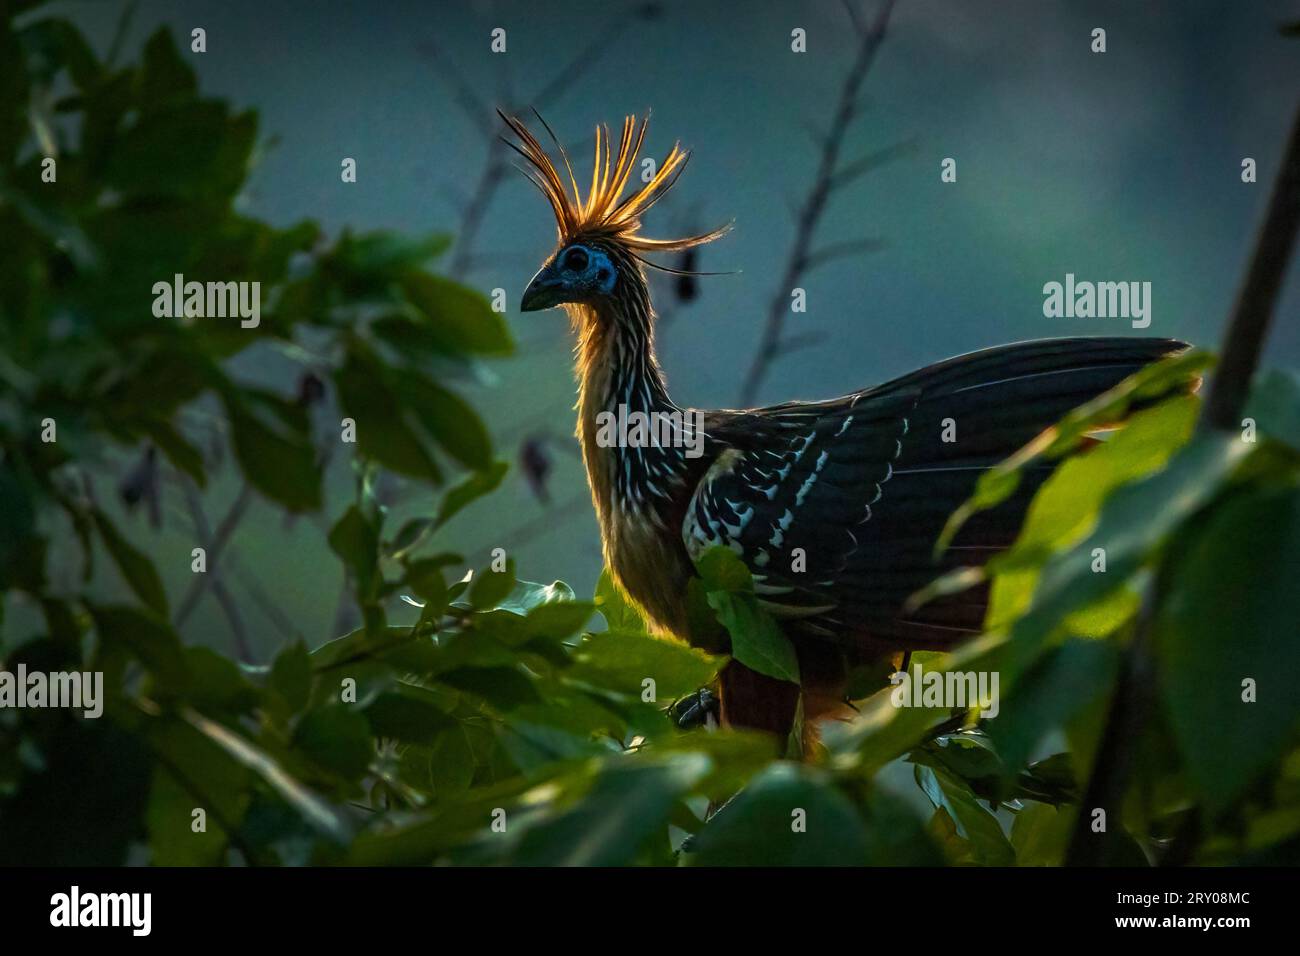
x,y
582,271
598,258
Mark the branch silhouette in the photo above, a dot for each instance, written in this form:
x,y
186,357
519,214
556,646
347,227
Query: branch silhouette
x,y
830,177
1256,301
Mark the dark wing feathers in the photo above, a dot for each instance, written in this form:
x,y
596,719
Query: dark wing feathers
x,y
835,506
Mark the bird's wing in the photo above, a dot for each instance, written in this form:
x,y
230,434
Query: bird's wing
x,y
792,488
835,506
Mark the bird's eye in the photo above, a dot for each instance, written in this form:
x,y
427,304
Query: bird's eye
x,y
575,259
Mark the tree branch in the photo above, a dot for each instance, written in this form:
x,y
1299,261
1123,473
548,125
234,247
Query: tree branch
x,y
814,205
1133,701
213,543
839,250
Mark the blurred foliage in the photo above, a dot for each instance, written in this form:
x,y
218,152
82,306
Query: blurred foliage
x,y
492,725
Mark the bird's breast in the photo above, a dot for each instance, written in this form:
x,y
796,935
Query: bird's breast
x,y
652,567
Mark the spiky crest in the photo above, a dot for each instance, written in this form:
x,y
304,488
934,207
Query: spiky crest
x,y
605,212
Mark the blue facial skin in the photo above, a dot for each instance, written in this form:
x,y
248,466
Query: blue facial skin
x,y
587,269
578,273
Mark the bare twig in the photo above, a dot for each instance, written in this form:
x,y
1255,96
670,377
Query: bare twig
x,y
1133,702
872,161
471,220
243,650
855,15
213,543
539,527
264,601
119,34
477,110
480,113
814,205
203,531
803,340
840,250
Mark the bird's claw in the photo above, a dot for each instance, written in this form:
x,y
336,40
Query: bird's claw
x,y
700,709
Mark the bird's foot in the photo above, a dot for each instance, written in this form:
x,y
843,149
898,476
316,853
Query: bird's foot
x,y
700,709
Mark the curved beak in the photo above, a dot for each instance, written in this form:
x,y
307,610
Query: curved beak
x,y
544,291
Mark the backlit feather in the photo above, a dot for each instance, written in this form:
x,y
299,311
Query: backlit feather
x,y
605,211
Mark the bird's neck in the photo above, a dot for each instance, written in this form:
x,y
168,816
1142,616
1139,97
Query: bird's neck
x,y
619,379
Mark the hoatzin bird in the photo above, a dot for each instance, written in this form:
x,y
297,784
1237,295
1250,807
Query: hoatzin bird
x,y
863,484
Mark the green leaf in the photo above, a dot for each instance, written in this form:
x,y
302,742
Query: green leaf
x,y
315,811
997,484
789,815
177,448
191,150
451,763
627,808
448,418
1274,405
21,551
469,490
425,578
173,840
722,570
384,432
985,843
528,595
622,660
557,620
408,713
277,461
164,76
895,835
488,588
290,676
356,541
337,738
369,261
883,731
53,43
216,682
503,687
614,606
1230,615
360,645
1134,522
1066,680
148,638
137,569
756,639
459,319
1041,834
85,805
1066,507
193,773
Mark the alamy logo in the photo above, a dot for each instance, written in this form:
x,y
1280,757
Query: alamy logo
x,y
636,429
75,690
1100,300
103,909
179,299
949,690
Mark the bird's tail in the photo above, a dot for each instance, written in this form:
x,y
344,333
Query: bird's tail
x,y
971,413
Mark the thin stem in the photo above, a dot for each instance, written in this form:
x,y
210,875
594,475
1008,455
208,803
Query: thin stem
x,y
214,544
814,205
